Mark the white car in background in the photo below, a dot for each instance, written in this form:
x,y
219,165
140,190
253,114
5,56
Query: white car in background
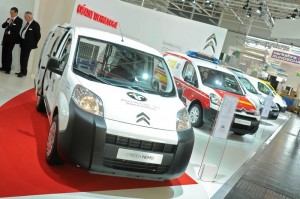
x,y
254,94
265,90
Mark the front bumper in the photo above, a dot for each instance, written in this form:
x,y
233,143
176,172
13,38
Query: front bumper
x,y
283,109
241,124
273,115
86,143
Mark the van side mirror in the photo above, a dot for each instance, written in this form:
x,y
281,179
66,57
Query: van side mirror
x,y
180,94
53,66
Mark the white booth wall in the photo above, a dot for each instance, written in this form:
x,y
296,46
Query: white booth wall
x,y
158,30
23,6
51,13
46,13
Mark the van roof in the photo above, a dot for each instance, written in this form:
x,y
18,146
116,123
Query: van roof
x,y
113,38
200,62
251,78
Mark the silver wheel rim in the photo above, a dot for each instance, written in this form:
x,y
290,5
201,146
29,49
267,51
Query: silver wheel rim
x,y
51,138
194,114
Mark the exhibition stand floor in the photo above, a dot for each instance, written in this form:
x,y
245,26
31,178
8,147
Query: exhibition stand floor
x,y
276,172
25,174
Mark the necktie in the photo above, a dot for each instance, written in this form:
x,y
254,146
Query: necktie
x,y
7,27
24,30
25,26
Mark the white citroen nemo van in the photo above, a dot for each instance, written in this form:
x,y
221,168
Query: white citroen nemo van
x,y
106,114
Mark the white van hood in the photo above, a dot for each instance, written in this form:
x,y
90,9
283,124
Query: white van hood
x,y
136,108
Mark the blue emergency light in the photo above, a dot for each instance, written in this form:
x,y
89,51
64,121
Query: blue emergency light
x,y
197,55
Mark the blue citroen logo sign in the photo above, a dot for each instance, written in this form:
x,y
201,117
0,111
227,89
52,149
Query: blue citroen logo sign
x,y
137,96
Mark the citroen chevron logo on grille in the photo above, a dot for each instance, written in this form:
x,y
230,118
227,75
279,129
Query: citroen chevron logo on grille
x,y
142,117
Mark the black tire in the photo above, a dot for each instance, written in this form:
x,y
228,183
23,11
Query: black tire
x,y
240,134
40,104
196,115
52,156
280,109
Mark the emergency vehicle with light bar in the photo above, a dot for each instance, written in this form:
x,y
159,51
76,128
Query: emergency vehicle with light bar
x,y
204,85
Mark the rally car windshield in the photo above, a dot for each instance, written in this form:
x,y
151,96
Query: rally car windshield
x,y
219,80
122,66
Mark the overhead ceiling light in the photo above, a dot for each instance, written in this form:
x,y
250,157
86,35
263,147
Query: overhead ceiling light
x,y
248,14
207,1
251,57
259,9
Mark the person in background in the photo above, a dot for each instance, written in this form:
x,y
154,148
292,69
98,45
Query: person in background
x,y
30,36
11,37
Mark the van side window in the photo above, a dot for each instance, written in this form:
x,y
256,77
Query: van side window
x,y
64,55
58,42
263,88
189,74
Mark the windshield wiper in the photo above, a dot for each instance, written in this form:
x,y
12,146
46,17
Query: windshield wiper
x,y
92,76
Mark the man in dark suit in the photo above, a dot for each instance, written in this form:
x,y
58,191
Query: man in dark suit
x,y
11,37
30,36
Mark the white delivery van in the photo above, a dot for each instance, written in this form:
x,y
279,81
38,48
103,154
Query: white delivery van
x,y
106,114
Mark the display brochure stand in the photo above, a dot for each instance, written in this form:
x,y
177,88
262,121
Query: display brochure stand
x,y
210,163
267,107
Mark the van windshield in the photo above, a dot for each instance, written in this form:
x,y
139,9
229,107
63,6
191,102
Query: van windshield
x,y
219,80
122,66
246,83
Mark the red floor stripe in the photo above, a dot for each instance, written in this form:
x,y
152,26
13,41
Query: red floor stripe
x,y
23,169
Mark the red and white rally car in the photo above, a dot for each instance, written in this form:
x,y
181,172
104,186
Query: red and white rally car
x,y
204,85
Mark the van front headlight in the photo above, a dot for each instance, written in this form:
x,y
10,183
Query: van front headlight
x,y
215,99
257,112
182,120
87,100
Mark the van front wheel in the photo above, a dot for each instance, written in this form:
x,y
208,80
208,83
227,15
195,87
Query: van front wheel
x,y
196,115
52,157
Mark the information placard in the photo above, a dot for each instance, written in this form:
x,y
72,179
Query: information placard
x,y
225,117
267,106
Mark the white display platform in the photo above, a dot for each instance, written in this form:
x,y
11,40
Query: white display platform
x,y
239,150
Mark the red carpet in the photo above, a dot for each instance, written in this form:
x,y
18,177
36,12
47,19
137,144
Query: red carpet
x,y
23,169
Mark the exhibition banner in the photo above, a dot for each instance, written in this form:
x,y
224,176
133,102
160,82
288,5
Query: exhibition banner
x,y
161,31
286,57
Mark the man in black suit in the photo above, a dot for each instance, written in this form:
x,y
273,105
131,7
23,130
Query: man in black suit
x,y
11,37
30,36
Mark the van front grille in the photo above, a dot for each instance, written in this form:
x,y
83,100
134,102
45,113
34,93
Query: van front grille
x,y
139,167
140,144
